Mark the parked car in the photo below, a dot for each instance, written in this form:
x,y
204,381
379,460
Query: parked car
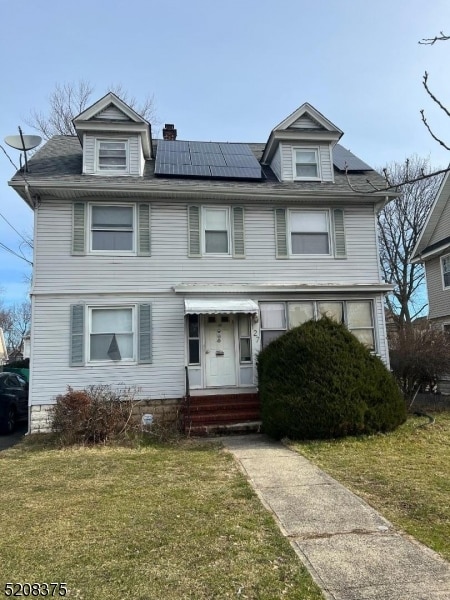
x,y
13,401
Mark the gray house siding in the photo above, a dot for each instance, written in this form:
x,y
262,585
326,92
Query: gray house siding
x,y
439,299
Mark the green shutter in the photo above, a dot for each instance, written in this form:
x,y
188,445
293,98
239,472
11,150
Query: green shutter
x,y
76,335
79,228
280,233
339,233
194,248
145,333
144,229
238,232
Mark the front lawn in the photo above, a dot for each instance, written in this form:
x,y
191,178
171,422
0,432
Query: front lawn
x,y
404,474
162,522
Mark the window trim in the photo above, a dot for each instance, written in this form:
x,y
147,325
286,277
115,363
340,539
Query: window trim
x,y
316,151
134,332
443,273
98,169
227,210
133,251
330,252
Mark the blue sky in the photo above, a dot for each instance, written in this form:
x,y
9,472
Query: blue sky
x,y
228,71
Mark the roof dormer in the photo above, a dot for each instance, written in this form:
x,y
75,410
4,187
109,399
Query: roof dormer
x,y
116,140
300,147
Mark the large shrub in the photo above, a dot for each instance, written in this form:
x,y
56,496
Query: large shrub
x,y
319,381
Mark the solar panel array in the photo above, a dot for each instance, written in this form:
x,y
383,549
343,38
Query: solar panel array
x,y
206,159
344,160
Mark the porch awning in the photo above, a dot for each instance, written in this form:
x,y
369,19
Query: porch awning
x,y
217,306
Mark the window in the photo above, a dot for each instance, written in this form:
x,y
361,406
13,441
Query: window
x,y
306,163
245,340
273,321
445,265
216,230
360,322
309,232
278,317
111,335
112,156
112,228
194,339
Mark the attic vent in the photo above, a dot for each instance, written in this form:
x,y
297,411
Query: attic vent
x,y
169,132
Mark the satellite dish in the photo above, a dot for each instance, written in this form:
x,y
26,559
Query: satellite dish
x,y
24,142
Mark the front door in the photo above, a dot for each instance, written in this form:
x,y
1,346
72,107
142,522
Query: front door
x,y
220,359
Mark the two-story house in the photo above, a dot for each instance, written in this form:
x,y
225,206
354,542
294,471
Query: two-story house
x,y
433,250
167,265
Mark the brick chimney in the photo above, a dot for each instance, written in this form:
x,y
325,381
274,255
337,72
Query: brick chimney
x,y
169,132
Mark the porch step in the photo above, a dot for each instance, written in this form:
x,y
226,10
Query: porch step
x,y
203,415
234,428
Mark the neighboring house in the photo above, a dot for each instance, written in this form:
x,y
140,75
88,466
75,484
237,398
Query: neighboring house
x,y
3,350
168,264
433,250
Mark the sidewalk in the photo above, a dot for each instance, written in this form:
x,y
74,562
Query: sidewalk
x,y
351,551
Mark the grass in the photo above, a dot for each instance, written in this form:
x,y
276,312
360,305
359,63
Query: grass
x,y
404,474
156,522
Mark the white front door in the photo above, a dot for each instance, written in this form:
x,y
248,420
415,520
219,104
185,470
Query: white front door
x,y
220,358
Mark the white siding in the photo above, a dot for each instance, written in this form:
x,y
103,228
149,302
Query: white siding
x,y
57,270
275,165
164,378
112,113
438,298
305,122
134,147
326,166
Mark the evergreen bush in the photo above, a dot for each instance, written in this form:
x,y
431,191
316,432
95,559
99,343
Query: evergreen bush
x,y
319,381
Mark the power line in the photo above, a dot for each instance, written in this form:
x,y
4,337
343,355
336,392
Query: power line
x,y
14,229
3,247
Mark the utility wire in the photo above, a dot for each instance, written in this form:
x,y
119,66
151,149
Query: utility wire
x,y
14,229
3,247
9,158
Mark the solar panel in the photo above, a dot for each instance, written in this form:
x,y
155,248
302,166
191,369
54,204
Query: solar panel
x,y
206,159
343,159
236,172
228,148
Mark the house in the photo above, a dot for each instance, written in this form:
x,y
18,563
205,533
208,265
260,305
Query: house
x,y
3,349
168,264
433,250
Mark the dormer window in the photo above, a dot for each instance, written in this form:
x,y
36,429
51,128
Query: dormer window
x,y
306,164
112,156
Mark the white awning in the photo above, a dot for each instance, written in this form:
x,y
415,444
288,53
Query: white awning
x,y
216,306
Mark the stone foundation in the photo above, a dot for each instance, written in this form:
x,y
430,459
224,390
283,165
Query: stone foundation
x,y
165,411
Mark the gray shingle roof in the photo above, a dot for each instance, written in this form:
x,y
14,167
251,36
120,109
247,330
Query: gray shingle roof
x,y
60,161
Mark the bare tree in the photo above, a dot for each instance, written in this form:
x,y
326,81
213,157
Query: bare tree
x,y
419,355
68,100
400,223
430,42
15,322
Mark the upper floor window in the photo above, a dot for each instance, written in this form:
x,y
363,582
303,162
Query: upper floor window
x,y
216,230
112,228
112,156
309,232
445,265
306,163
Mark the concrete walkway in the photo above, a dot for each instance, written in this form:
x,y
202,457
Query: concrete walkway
x,y
351,551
